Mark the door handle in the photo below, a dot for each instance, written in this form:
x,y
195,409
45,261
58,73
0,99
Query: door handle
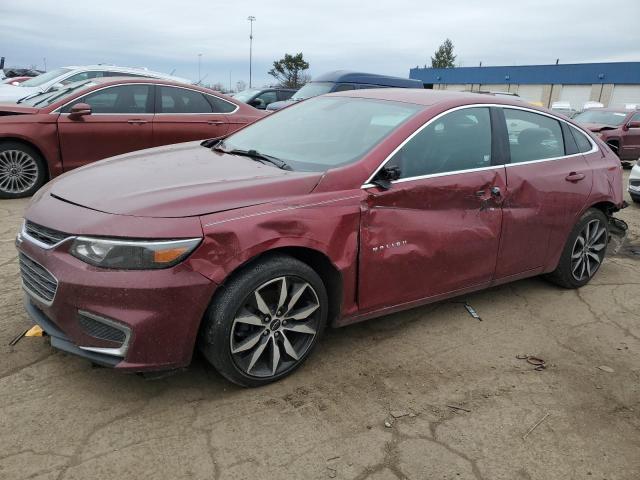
x,y
574,177
136,122
215,122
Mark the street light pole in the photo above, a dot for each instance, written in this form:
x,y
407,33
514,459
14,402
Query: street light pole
x,y
199,76
251,20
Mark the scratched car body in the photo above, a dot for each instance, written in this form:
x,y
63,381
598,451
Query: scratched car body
x,y
341,208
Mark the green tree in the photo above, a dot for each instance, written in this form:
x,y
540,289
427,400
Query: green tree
x,y
444,57
289,71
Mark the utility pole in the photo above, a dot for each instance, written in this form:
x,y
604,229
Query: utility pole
x,y
44,60
251,19
199,61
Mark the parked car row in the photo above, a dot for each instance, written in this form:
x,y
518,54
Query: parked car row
x,y
49,133
343,207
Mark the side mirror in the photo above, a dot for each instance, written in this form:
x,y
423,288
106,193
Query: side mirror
x,y
634,124
79,110
257,103
385,176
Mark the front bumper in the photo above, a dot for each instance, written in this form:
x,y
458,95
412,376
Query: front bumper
x,y
162,309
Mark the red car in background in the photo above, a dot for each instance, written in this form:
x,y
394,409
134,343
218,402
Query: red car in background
x,y
47,134
619,128
340,208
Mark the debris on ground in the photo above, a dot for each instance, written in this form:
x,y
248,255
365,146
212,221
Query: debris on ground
x,y
332,472
35,331
399,413
18,337
472,312
604,368
387,424
537,362
535,426
459,408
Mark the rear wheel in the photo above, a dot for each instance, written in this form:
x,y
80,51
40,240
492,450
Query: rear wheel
x,y
22,170
584,251
265,321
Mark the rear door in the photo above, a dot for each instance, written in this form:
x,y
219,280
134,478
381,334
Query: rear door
x,y
183,114
631,143
121,121
435,231
548,183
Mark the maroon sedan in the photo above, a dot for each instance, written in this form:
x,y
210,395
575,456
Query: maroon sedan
x,y
338,209
619,128
51,133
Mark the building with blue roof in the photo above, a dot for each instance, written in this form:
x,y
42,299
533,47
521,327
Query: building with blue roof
x,y
615,84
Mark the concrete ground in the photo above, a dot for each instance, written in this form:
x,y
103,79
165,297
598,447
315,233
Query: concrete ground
x,y
375,401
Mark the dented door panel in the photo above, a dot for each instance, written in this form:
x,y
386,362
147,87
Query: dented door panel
x,y
427,237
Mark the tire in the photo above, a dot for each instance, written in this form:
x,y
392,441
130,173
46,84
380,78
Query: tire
x,y
635,198
572,271
255,331
22,170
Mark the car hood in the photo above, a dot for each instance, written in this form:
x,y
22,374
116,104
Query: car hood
x,y
13,93
16,109
597,127
179,180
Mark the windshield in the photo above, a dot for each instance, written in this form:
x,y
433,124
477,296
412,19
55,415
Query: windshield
x,y
245,95
324,132
313,89
599,116
45,77
45,99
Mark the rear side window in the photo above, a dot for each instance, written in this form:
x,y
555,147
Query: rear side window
x,y
82,76
533,136
181,100
460,140
584,145
219,105
343,87
285,94
123,99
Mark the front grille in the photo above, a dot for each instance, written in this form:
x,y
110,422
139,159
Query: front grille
x,y
634,183
37,280
45,235
98,329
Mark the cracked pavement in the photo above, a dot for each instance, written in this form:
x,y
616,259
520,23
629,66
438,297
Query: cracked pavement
x,y
62,419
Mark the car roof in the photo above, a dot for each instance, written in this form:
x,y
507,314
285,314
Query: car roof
x,y
367,78
426,97
610,109
136,70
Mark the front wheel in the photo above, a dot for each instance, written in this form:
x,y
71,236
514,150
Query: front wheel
x,y
22,170
584,251
265,321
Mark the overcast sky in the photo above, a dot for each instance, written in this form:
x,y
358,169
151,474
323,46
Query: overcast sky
x,y
387,38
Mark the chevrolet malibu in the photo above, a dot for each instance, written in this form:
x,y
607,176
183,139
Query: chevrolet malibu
x,y
49,133
339,209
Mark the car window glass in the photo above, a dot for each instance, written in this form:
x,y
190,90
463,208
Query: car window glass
x,y
122,99
285,94
533,136
584,145
219,105
635,118
344,86
82,76
181,100
268,97
459,140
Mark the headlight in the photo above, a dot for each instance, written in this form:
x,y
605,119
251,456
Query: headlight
x,y
132,254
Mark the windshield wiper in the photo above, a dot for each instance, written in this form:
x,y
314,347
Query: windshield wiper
x,y
257,156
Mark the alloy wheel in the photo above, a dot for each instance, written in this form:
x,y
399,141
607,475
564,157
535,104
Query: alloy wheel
x,y
588,250
18,171
275,327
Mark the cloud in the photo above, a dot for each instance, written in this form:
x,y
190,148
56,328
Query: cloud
x,y
383,38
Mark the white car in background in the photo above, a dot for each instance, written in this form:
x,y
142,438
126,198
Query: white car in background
x,y
60,77
634,183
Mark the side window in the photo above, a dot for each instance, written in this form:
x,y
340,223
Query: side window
x,y
635,117
584,145
267,97
220,106
459,140
285,94
123,74
123,99
181,100
533,136
343,87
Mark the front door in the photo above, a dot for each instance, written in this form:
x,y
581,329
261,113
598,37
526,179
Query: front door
x,y
121,121
630,148
437,229
183,115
